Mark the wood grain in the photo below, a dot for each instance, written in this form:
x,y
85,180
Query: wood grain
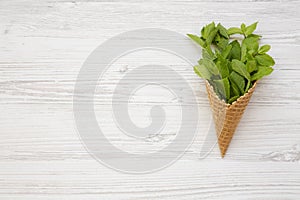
x,y
42,47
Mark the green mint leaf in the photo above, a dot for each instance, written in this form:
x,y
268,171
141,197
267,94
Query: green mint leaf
x,y
207,55
237,82
231,67
233,99
243,53
208,49
248,86
250,55
254,36
211,36
223,87
203,32
234,30
243,28
235,52
265,60
206,31
226,51
261,72
217,38
251,66
250,29
222,67
234,90
197,39
222,44
240,68
223,31
263,49
251,43
210,65
202,71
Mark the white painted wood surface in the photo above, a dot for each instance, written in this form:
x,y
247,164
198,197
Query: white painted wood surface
x,y
42,47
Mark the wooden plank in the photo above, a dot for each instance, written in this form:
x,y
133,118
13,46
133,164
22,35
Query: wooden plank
x,y
44,44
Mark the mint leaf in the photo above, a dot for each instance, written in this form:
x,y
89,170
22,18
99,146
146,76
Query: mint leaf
x,y
233,79
238,81
265,60
206,55
226,51
234,30
243,28
251,66
235,52
254,36
202,71
261,72
249,29
223,31
206,31
240,68
233,99
210,65
251,43
234,90
248,44
203,32
229,64
248,85
264,49
223,87
222,67
211,36
197,39
243,52
222,44
250,55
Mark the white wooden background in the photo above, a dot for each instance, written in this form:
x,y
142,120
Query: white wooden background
x,y
42,47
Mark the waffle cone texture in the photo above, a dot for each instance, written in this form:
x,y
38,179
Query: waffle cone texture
x,y
227,116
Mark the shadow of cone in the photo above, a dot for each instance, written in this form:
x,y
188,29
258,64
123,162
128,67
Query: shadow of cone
x,y
227,116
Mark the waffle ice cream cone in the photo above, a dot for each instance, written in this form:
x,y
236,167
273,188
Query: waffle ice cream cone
x,y
227,116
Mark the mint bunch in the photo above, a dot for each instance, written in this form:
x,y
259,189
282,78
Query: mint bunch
x,y
231,64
